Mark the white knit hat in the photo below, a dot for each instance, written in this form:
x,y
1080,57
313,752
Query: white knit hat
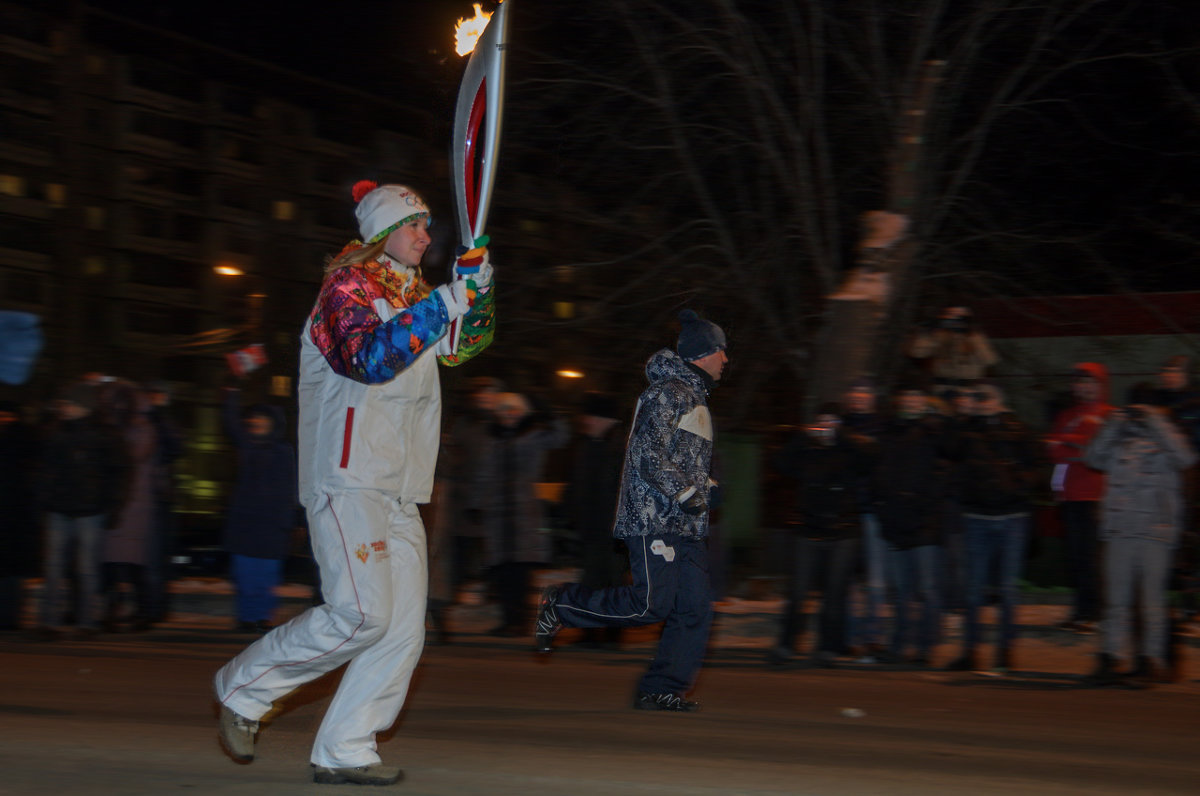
x,y
382,208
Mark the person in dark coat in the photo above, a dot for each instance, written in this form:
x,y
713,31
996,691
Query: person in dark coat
x,y
512,513
262,508
19,535
133,539
862,420
80,481
828,465
909,491
999,463
163,541
591,500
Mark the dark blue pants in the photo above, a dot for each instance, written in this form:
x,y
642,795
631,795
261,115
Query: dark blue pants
x,y
1080,521
670,585
918,573
993,541
824,564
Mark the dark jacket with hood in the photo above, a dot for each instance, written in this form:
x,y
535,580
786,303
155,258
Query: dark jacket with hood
x,y
998,462
262,508
83,469
828,484
910,477
669,455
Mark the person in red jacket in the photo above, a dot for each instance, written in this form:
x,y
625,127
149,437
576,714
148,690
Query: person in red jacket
x,y
1078,489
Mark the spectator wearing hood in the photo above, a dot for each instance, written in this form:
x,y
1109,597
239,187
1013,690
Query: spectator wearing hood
x,y
1180,397
1079,487
1143,453
262,506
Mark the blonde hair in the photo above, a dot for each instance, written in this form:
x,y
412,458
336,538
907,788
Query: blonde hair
x,y
365,256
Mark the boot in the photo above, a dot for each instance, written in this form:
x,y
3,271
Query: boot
x,y
1105,672
1147,671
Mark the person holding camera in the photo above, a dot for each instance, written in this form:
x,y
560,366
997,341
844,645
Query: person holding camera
x,y
999,464
1141,514
829,465
957,350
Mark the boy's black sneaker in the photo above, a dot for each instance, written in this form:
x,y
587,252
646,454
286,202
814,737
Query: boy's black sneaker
x,y
547,625
672,702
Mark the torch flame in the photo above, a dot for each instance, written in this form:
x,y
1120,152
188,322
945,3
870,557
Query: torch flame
x,y
468,31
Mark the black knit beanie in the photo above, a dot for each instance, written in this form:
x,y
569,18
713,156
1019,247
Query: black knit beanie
x,y
697,337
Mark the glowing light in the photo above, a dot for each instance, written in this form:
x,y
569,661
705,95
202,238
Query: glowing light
x,y
468,31
229,270
570,374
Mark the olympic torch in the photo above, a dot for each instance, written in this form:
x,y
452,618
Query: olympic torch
x,y
477,120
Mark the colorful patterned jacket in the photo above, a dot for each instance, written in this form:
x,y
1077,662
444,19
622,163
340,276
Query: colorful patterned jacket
x,y
669,455
370,398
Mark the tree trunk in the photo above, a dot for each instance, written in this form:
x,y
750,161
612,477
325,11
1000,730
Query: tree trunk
x,y
850,337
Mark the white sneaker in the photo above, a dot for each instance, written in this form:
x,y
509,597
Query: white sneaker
x,y
374,774
237,734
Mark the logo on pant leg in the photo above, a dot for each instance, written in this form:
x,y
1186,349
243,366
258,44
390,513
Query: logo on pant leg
x,y
659,549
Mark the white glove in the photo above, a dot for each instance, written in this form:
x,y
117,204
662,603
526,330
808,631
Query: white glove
x,y
456,298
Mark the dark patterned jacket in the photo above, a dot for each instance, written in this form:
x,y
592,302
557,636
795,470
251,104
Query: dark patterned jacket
x,y
669,455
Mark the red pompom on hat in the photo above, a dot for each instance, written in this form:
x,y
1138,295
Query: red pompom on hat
x,y
362,188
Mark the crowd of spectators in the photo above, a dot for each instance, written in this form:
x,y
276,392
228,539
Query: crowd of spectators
x,y
932,500
906,506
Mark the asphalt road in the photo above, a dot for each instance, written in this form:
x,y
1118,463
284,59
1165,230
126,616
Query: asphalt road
x,y
133,715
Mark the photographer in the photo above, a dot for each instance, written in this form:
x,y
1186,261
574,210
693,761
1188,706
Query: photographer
x,y
829,466
957,350
1144,455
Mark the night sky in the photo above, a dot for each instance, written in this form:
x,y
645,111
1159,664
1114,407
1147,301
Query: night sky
x,y
1119,155
316,37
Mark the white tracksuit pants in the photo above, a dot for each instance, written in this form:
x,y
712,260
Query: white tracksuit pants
x,y
371,551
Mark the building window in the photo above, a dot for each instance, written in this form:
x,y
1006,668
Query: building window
x,y
158,271
12,185
155,319
283,210
25,233
56,194
167,128
94,218
25,287
93,265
